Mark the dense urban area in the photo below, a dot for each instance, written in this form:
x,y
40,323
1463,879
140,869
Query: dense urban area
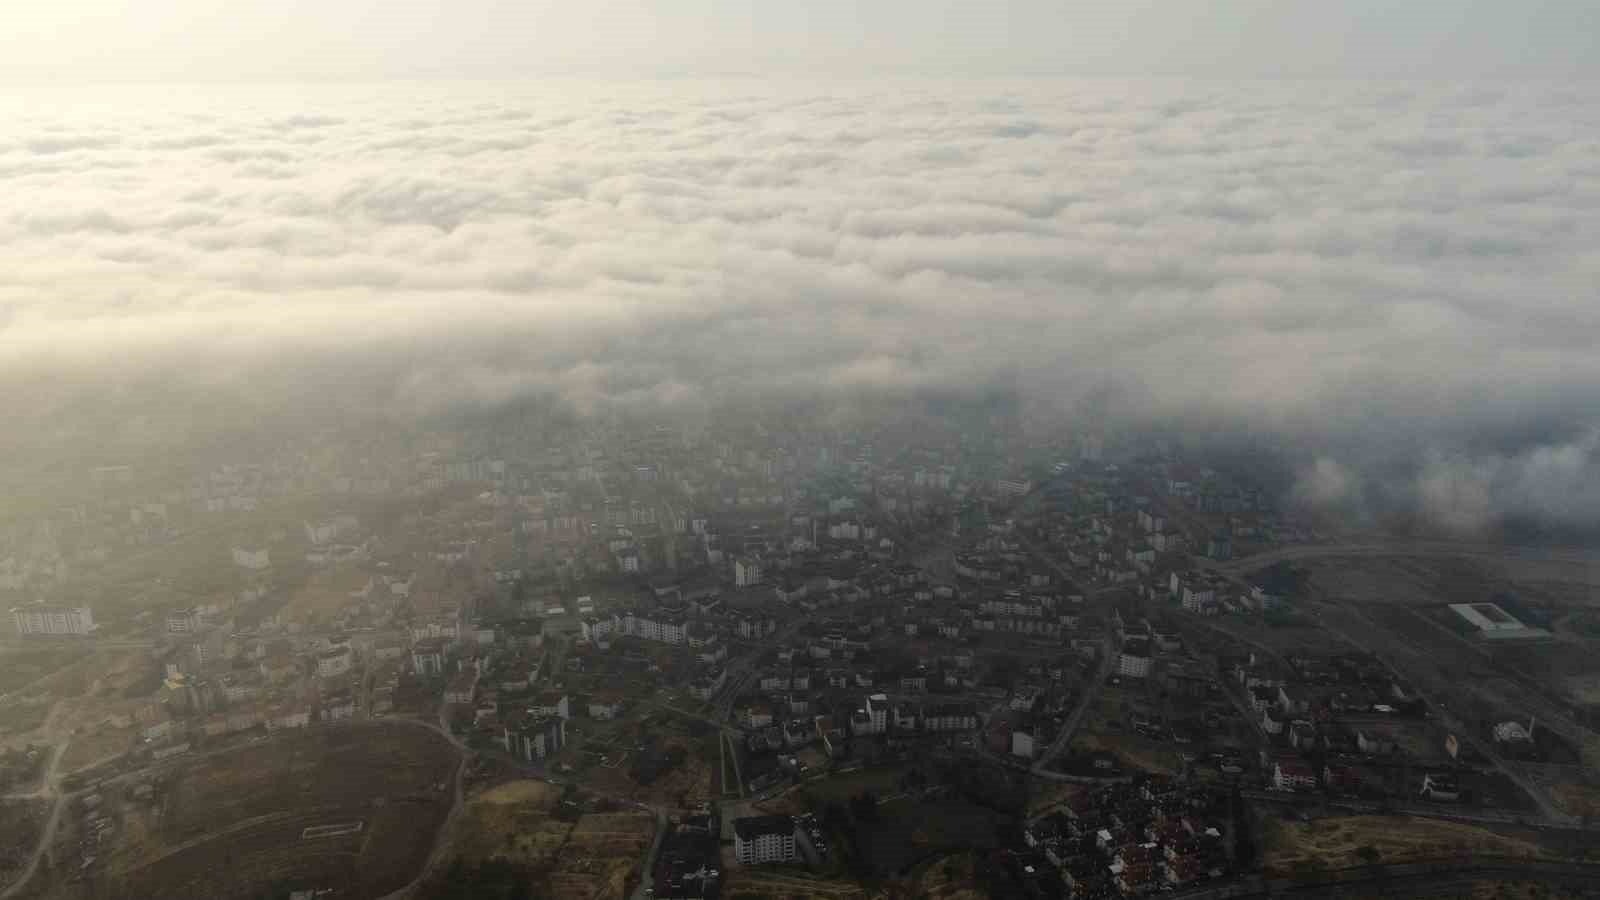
x,y
771,657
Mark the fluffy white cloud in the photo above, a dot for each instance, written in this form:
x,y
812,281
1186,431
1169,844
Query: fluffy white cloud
x,y
1351,262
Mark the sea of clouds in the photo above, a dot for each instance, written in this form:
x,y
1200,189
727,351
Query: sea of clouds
x,y
1397,277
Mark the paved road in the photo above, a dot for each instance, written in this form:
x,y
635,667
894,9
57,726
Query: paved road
x,y
647,874
1435,811
1107,663
1259,561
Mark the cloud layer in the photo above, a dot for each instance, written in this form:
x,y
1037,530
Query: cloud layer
x,y
1381,270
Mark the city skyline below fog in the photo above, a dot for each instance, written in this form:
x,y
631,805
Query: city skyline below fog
x,y
1391,279
1388,273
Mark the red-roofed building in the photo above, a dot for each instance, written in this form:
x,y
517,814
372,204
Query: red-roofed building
x,y
1293,775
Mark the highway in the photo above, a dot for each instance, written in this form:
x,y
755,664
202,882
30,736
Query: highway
x,y
1448,549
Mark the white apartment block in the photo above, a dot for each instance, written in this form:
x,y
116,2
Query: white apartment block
x,y
649,628
878,712
53,619
1132,665
254,560
747,571
335,662
758,840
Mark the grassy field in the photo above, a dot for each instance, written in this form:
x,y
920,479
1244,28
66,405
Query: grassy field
x,y
325,594
600,853
692,781
1048,796
18,717
88,748
909,829
747,883
1401,582
20,824
1337,843
1528,890
248,810
507,822
948,878
1576,798
1135,752
22,665
584,856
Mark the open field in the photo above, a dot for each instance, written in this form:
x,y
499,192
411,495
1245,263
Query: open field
x,y
88,748
251,809
1404,581
1047,796
773,883
325,593
1528,890
691,781
18,717
948,878
587,855
840,788
600,853
1135,752
1576,798
1337,842
20,824
507,823
23,665
908,830
1283,640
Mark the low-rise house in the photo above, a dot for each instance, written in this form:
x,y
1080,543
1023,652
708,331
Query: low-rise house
x,y
1441,786
461,688
1373,742
551,703
604,708
1293,775
338,707
755,716
427,657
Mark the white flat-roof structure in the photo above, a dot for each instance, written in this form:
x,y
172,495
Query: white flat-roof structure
x,y
1494,623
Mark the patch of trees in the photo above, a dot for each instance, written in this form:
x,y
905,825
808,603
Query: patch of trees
x,y
19,768
489,880
654,763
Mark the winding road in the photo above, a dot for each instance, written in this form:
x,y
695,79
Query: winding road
x,y
48,787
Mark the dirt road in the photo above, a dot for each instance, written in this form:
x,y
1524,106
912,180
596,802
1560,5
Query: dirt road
x,y
49,787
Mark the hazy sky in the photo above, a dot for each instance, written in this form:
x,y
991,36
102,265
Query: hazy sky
x,y
313,39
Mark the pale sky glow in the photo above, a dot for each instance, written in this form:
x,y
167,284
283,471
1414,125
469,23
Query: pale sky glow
x,y
287,40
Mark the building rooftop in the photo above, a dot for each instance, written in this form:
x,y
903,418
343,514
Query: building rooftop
x,y
754,827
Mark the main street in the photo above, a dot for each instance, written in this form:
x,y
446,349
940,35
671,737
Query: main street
x,y
1090,692
1588,559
